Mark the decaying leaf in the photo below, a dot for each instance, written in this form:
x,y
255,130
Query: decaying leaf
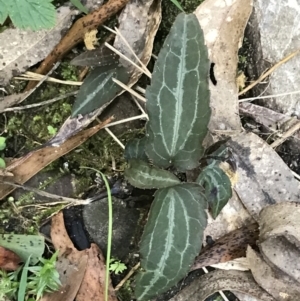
x,y
9,260
263,177
11,100
26,167
92,286
276,283
138,25
231,246
70,275
76,34
223,23
21,49
218,280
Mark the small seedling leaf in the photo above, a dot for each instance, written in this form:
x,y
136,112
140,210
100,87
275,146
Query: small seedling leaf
x,y
30,14
141,175
79,6
171,239
24,246
178,97
2,143
177,4
217,187
23,281
98,89
135,149
2,163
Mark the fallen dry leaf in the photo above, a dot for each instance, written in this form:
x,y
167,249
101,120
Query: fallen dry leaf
x,y
277,284
11,100
263,177
223,23
77,32
231,246
9,261
138,25
26,167
92,286
71,275
218,280
21,49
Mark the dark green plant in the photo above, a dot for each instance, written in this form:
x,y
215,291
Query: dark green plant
x,y
179,113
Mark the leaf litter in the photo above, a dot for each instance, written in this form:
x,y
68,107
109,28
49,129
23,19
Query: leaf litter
x,y
252,165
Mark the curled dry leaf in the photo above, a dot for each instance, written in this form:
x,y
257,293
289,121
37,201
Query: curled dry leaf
x,y
223,23
277,269
276,283
231,246
92,286
21,49
218,280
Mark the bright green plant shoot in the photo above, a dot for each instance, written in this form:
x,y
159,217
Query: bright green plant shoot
x,y
110,221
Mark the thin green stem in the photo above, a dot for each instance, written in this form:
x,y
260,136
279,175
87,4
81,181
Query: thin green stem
x,y
110,223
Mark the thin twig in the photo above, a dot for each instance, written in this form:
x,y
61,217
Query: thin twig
x,y
269,96
131,272
142,116
286,135
36,77
137,95
112,135
118,33
138,104
61,199
146,71
140,89
112,48
42,103
267,73
220,292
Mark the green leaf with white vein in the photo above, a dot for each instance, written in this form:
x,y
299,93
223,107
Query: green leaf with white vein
x,y
217,187
178,97
171,239
141,175
99,89
135,149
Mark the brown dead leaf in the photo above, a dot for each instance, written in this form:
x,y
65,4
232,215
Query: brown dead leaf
x,y
280,237
70,275
26,167
223,23
9,261
276,283
77,32
231,246
218,280
92,286
138,25
21,49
